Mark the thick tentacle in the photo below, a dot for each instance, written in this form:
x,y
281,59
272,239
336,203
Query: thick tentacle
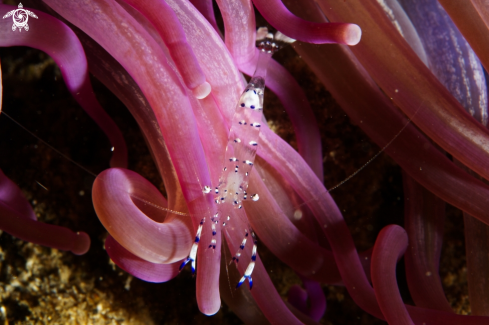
x,y
166,23
389,248
136,266
128,207
18,219
318,33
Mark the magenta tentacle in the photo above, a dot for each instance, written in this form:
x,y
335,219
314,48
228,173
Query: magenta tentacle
x,y
41,233
11,195
136,266
390,245
219,68
424,220
313,290
19,220
278,232
240,31
311,190
206,9
318,33
128,207
166,23
297,297
68,53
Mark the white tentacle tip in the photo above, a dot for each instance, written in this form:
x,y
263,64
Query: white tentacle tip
x,y
202,91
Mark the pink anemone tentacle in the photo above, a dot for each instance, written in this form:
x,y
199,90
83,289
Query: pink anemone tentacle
x,y
136,266
424,221
110,72
166,23
128,207
314,292
283,20
240,30
207,10
277,232
19,220
390,245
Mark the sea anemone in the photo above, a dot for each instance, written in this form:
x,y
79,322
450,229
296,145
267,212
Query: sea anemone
x,y
168,64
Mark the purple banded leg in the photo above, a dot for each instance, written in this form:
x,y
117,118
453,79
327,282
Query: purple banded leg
x,y
250,267
193,251
214,220
241,247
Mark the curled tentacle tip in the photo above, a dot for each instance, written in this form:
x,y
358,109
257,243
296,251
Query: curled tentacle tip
x,y
81,244
352,34
202,91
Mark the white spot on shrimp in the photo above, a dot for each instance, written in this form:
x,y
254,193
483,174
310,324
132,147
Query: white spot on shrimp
x,y
255,197
253,143
206,189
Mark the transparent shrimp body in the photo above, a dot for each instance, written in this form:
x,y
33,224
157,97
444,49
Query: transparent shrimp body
x,y
239,158
242,145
